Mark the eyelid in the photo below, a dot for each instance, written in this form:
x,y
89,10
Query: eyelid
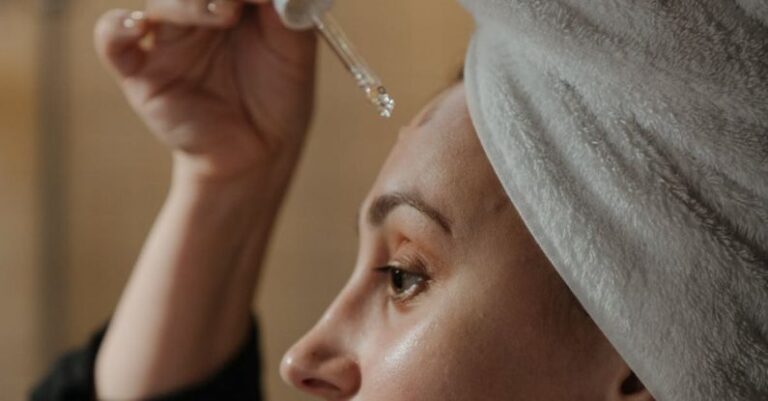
x,y
416,270
411,292
412,264
414,267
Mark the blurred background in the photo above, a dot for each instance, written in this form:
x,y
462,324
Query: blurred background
x,y
81,179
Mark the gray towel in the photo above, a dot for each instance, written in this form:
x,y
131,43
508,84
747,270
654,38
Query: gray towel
x,y
632,136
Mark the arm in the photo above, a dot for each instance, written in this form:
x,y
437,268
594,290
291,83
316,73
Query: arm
x,y
187,306
235,119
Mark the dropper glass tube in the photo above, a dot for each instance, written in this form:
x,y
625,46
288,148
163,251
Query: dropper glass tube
x,y
364,76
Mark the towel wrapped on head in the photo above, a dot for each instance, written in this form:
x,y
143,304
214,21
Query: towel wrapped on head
x,y
632,136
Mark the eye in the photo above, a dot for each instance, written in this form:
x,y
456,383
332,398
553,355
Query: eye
x,y
404,283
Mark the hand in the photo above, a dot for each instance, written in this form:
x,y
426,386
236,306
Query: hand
x,y
223,83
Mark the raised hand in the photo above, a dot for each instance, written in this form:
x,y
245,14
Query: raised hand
x,y
221,82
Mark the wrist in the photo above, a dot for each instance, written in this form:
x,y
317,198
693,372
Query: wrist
x,y
262,179
243,205
221,218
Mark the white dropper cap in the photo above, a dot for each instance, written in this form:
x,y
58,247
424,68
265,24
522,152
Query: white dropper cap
x,y
301,14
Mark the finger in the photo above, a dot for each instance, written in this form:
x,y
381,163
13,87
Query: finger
x,y
202,13
117,36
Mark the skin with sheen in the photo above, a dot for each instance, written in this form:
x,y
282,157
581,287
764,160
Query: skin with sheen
x,y
469,308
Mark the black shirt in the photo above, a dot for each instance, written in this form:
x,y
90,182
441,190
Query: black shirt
x,y
72,377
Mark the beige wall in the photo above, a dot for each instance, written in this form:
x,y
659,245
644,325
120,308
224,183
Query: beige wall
x,y
117,175
19,306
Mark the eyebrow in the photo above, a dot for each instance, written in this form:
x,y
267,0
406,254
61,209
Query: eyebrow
x,y
383,205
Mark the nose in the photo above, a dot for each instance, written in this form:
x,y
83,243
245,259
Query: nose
x,y
326,361
318,364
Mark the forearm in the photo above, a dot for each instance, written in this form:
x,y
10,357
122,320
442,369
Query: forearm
x,y
187,305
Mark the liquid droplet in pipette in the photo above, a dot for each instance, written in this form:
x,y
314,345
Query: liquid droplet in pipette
x,y
364,76
383,101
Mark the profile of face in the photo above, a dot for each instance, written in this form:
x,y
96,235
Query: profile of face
x,y
451,298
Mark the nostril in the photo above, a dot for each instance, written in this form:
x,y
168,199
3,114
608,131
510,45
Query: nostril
x,y
317,384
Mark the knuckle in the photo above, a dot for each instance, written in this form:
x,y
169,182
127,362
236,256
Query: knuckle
x,y
222,12
195,12
174,11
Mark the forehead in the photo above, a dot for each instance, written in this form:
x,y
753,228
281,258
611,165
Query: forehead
x,y
440,157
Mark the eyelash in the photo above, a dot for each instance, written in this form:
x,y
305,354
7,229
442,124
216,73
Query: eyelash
x,y
401,272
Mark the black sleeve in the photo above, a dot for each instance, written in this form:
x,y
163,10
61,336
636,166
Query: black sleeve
x,y
71,377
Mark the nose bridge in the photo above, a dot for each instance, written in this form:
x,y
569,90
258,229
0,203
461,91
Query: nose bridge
x,y
324,361
344,313
340,323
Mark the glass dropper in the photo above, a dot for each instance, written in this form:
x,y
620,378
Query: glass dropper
x,y
366,79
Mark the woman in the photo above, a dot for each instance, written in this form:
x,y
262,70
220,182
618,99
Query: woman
x,y
451,298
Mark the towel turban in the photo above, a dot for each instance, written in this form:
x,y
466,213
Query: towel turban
x,y
632,137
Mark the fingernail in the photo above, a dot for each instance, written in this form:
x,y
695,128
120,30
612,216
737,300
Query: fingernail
x,y
133,19
215,6
137,15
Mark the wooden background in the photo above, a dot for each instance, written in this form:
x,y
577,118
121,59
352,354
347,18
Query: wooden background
x,y
71,225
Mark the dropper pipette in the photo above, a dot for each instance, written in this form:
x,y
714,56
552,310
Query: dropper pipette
x,y
364,76
303,14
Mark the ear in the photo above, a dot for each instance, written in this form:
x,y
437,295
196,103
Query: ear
x,y
628,387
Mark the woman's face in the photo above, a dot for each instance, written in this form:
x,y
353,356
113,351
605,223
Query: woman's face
x,y
450,299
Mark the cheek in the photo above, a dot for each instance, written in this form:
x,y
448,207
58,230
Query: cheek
x,y
452,348
433,360
471,339
404,364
